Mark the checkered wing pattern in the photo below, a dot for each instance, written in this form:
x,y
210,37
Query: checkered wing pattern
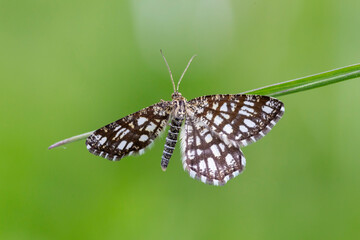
x,y
207,157
238,119
217,126
130,135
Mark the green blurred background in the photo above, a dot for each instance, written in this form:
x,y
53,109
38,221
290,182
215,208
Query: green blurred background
x,y
68,67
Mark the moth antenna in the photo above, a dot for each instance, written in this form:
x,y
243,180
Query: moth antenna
x,y
177,89
172,80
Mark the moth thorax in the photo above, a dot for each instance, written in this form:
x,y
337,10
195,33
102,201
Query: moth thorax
x,y
179,108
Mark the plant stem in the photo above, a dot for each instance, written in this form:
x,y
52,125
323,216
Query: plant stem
x,y
278,89
71,139
309,82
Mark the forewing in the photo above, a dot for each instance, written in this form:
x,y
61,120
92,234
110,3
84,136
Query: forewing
x,y
131,134
206,157
238,119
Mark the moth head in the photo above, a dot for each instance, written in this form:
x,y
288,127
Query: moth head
x,y
176,96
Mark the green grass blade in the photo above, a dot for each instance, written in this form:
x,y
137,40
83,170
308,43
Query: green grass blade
x,y
279,89
71,139
309,82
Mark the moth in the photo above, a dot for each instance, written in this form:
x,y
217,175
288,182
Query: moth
x,y
212,128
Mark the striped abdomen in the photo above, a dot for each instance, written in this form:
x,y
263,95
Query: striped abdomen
x,y
171,140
